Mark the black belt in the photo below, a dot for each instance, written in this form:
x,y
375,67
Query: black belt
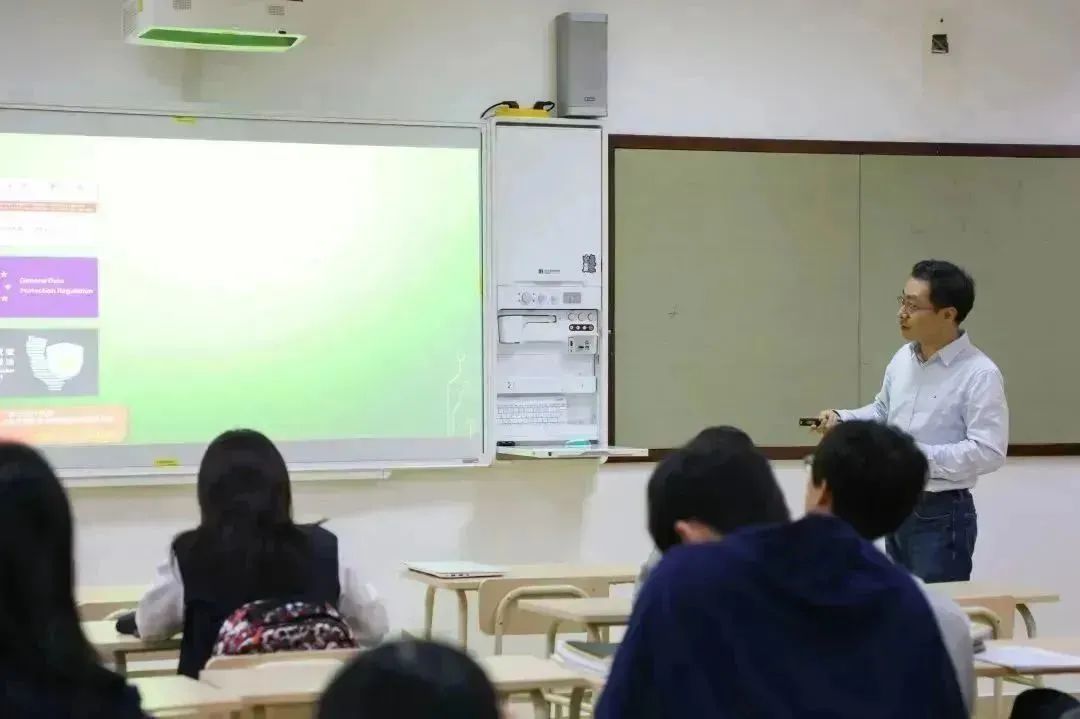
x,y
947,493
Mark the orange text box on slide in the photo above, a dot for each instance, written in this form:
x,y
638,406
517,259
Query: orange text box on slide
x,y
64,425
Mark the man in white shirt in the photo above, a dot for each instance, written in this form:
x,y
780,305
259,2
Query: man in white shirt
x,y
950,397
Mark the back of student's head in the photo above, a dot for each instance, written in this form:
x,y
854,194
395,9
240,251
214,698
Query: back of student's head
x,y
243,479
246,538
718,480
868,474
410,680
40,636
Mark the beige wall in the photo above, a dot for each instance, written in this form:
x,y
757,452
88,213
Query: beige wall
x,y
781,68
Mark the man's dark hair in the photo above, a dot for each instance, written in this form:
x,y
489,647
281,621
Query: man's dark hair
x,y
950,286
875,474
719,479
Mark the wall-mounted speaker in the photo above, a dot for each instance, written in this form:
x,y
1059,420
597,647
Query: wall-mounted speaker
x,y
581,64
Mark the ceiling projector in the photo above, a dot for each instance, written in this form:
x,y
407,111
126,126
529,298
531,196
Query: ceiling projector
x,y
233,25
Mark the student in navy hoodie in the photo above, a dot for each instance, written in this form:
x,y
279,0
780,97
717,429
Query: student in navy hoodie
x,y
871,475
744,500
48,670
803,619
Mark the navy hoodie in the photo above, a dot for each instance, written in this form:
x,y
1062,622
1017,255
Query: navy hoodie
x,y
804,619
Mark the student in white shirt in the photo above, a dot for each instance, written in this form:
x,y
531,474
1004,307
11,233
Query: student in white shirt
x,y
950,397
245,549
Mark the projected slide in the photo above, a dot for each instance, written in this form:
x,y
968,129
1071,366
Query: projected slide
x,y
160,291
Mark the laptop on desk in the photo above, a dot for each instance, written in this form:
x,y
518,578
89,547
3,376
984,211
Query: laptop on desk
x,y
455,570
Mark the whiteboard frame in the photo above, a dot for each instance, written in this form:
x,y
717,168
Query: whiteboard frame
x,y
184,475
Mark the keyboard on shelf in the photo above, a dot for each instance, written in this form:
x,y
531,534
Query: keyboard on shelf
x,y
532,410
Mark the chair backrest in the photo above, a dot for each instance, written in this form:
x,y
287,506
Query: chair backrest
x,y
514,621
987,609
249,661
316,665
286,689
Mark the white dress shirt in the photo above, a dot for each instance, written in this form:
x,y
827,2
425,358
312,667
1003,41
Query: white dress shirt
x,y
953,404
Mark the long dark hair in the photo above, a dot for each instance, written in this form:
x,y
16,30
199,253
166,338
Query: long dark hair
x,y
41,641
246,542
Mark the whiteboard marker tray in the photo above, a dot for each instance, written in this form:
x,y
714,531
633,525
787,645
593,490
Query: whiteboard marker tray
x,y
564,452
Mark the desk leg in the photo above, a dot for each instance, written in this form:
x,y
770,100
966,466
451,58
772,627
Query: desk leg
x,y
577,696
429,612
1029,619
120,663
593,630
1029,623
540,705
553,631
463,618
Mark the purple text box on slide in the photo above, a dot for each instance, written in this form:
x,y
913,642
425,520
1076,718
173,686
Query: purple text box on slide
x,y
48,287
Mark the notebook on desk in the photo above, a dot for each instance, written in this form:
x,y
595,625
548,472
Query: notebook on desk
x,y
455,570
1022,659
980,634
592,657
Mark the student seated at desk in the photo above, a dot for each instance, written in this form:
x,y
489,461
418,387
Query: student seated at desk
x,y
245,549
47,668
871,476
792,619
411,680
740,500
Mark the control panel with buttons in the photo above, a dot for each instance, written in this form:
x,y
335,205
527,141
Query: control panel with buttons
x,y
576,300
548,363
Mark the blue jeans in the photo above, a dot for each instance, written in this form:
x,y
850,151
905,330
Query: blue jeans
x,y
936,542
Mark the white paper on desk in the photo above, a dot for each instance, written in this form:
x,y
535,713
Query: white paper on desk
x,y
1023,659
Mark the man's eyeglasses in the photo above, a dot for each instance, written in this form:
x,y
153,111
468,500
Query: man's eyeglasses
x,y
910,307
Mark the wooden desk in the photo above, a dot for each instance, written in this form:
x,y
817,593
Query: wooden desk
x,y
95,603
612,573
1063,645
533,675
111,643
164,696
972,592
596,614
288,687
